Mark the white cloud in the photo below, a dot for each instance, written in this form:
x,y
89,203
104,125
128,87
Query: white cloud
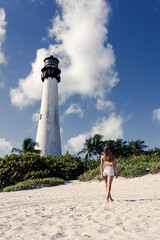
x,y
110,128
156,115
29,90
75,144
5,146
86,59
74,109
102,105
2,33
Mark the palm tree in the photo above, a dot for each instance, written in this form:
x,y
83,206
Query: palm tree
x,y
98,144
152,151
28,145
119,148
111,145
88,148
137,147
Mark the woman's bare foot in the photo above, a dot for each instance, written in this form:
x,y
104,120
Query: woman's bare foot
x,y
111,198
107,199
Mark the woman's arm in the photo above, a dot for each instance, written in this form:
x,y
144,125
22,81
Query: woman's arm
x,y
101,167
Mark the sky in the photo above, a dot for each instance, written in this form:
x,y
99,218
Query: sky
x,y
109,53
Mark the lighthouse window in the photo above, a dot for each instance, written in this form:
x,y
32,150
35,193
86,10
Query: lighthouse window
x,y
40,116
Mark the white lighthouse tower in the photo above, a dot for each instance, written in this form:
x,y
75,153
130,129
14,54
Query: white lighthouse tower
x,y
48,134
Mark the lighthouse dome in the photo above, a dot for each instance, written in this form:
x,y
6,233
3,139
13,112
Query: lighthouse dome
x,y
51,62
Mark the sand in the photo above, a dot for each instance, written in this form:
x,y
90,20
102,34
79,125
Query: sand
x,y
78,211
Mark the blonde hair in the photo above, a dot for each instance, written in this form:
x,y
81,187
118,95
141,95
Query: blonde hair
x,y
108,154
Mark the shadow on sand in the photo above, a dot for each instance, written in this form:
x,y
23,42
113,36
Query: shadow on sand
x,y
139,200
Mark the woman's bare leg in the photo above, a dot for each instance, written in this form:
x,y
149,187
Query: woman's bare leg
x,y
105,180
110,190
109,183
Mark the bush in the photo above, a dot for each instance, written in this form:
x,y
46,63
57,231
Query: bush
x,y
34,183
17,168
120,168
90,175
133,166
154,167
91,164
37,174
133,171
14,168
65,166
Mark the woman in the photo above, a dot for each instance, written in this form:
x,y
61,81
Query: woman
x,y
108,170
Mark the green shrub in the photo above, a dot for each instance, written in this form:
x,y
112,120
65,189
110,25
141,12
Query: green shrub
x,y
34,183
14,167
90,175
120,168
65,166
37,174
17,168
154,167
133,166
133,171
91,164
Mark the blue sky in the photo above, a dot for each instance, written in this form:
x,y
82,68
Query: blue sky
x,y
109,55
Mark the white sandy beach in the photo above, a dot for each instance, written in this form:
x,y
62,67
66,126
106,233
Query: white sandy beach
x,y
78,211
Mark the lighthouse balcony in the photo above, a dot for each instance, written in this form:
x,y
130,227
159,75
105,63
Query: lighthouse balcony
x,y
51,72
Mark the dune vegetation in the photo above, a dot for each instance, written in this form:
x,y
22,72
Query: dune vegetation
x,y
28,170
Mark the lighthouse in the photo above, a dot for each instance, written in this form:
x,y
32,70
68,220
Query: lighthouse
x,y
48,133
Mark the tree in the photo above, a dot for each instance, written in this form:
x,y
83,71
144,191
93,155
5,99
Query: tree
x,y
28,145
152,151
137,147
119,148
88,148
98,144
111,145
93,146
